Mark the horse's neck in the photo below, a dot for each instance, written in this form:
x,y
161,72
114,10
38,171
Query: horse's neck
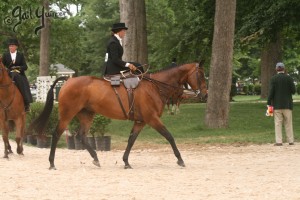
x,y
169,77
5,79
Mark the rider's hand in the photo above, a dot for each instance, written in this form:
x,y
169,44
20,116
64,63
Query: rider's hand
x,y
132,67
15,67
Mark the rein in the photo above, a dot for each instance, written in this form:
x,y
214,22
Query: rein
x,y
157,83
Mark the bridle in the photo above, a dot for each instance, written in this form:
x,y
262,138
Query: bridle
x,y
197,91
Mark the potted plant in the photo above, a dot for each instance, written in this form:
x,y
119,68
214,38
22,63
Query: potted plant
x,y
36,108
73,139
44,140
98,130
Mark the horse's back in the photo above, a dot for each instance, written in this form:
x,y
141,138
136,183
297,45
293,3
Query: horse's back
x,y
78,88
85,92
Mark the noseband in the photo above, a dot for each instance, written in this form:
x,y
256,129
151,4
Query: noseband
x,y
197,91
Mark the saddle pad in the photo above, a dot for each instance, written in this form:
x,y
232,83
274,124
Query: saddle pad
x,y
115,80
131,83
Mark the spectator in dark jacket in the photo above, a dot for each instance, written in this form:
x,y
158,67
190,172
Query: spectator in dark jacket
x,y
282,88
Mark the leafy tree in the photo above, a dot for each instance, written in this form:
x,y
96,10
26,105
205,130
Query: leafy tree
x,y
270,24
97,18
179,29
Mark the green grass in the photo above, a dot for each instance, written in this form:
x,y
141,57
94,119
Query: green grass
x,y
247,125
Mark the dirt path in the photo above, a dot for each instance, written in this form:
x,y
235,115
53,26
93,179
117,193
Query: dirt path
x,y
249,172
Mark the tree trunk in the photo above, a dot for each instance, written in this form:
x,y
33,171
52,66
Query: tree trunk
x,y
133,13
271,54
220,76
44,43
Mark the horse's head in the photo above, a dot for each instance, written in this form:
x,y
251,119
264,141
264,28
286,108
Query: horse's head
x,y
196,79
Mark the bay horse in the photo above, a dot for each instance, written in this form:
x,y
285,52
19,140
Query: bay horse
x,y
176,99
11,110
84,96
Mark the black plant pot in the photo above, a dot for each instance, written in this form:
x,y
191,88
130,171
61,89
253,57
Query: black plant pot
x,y
31,139
78,143
92,142
103,143
43,141
70,142
25,139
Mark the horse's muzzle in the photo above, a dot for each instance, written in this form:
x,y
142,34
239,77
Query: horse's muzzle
x,y
201,96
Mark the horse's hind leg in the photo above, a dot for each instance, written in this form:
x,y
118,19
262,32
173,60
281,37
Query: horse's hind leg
x,y
137,127
157,125
85,118
55,137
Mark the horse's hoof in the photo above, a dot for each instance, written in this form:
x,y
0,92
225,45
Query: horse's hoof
x,y
52,168
10,152
5,156
181,163
127,167
96,163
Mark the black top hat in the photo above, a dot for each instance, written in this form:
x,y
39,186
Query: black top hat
x,y
13,41
118,26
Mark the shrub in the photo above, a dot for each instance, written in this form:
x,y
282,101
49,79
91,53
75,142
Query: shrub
x,y
99,126
250,89
257,89
245,89
74,126
36,109
233,91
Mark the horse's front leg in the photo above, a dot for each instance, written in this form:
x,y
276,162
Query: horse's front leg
x,y
9,148
20,130
6,142
137,127
19,142
89,148
157,125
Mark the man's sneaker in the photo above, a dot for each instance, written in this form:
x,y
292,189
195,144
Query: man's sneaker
x,y
291,143
278,144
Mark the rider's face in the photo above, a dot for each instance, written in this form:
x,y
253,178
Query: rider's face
x,y
122,33
12,48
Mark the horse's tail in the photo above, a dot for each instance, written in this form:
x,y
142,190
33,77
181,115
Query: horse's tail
x,y
40,123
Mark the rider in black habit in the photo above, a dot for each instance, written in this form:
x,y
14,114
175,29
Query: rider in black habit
x,y
15,62
114,53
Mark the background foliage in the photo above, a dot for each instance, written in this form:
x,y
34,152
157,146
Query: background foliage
x,y
176,29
